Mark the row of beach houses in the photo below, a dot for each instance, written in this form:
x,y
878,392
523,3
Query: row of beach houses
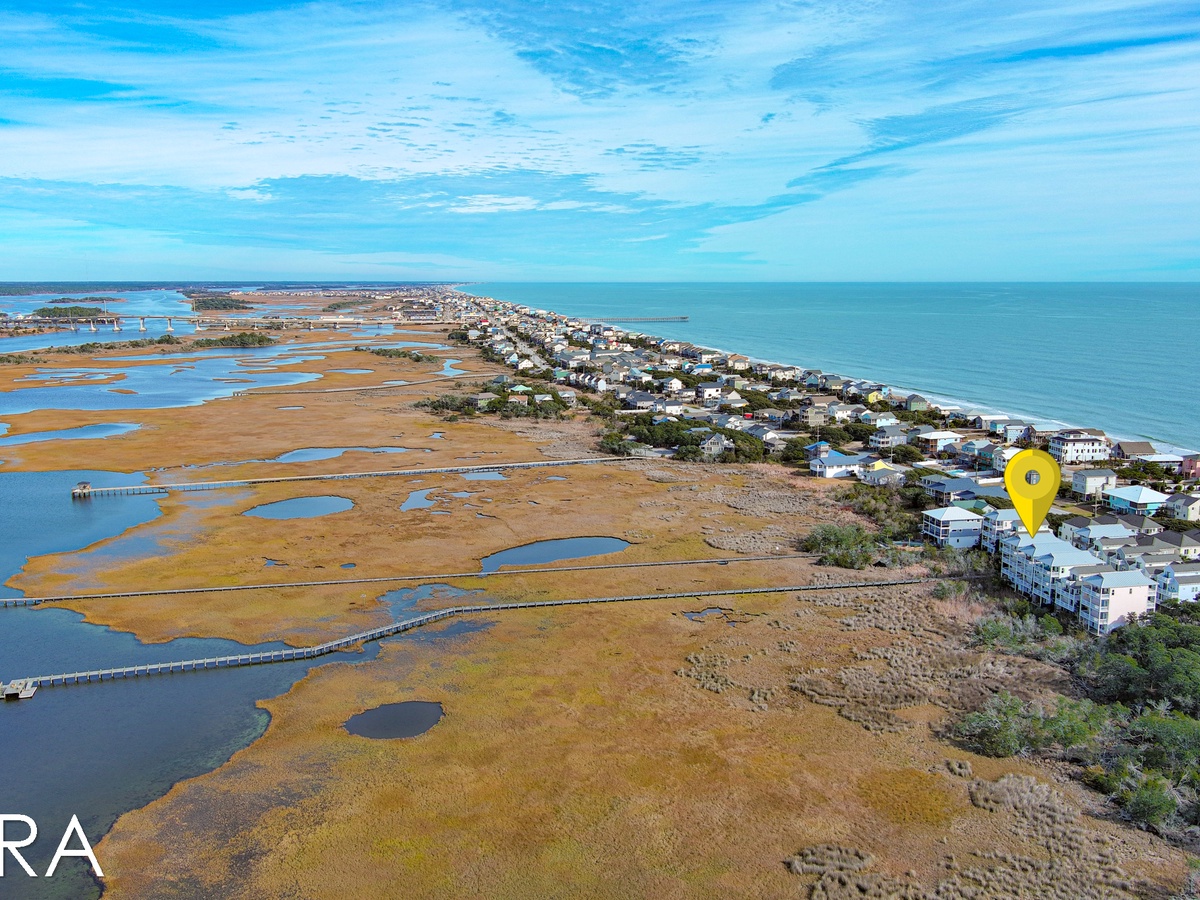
x,y
1103,569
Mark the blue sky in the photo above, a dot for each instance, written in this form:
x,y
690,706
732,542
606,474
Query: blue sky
x,y
600,140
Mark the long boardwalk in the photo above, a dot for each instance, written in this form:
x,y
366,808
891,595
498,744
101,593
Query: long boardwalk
x,y
260,392
83,493
255,658
432,578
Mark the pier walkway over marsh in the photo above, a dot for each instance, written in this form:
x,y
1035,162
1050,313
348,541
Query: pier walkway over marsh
x,y
293,653
85,491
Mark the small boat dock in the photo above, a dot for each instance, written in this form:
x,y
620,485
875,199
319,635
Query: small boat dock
x,y
19,689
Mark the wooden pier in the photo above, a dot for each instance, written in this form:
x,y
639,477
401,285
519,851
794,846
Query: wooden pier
x,y
290,654
84,490
624,319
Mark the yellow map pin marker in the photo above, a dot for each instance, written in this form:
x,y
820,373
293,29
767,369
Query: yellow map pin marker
x,y
1032,478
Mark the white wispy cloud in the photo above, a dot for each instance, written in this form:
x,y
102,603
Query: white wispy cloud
x,y
713,123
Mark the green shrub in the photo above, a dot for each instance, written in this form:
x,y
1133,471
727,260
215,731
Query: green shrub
x,y
1151,802
999,729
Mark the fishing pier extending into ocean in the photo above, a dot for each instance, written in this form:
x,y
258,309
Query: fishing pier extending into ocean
x,y
24,688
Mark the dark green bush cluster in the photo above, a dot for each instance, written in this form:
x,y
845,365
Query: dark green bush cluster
x,y
392,353
896,510
844,546
1137,732
679,435
237,339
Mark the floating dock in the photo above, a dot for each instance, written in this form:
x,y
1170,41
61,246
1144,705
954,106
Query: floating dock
x,y
21,689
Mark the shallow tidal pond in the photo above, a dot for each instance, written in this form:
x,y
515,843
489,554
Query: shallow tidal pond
x,y
395,720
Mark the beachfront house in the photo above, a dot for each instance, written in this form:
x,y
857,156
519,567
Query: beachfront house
x,y
1093,482
1073,446
952,526
1108,599
1190,466
1132,449
1137,499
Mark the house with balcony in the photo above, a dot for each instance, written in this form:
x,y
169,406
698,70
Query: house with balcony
x,y
1040,567
1102,539
952,526
1183,506
1136,499
1179,582
1132,449
839,465
1074,446
879,419
1107,600
887,437
933,442
1092,482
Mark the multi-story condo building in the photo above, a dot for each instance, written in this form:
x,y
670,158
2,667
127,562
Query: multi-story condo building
x,y
1108,599
1040,567
1000,522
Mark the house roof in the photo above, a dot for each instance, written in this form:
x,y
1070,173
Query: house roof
x,y
1136,493
841,459
1004,515
1132,448
1107,531
953,514
1127,578
1062,556
1096,473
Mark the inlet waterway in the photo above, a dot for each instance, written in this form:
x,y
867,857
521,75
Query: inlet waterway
x,y
99,751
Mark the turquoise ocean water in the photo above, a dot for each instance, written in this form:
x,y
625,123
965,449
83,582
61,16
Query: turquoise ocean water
x,y
1122,357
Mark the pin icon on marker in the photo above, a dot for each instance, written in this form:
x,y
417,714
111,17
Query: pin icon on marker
x,y
1032,478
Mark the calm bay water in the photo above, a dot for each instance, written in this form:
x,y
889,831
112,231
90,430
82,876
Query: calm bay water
x,y
99,750
1111,356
